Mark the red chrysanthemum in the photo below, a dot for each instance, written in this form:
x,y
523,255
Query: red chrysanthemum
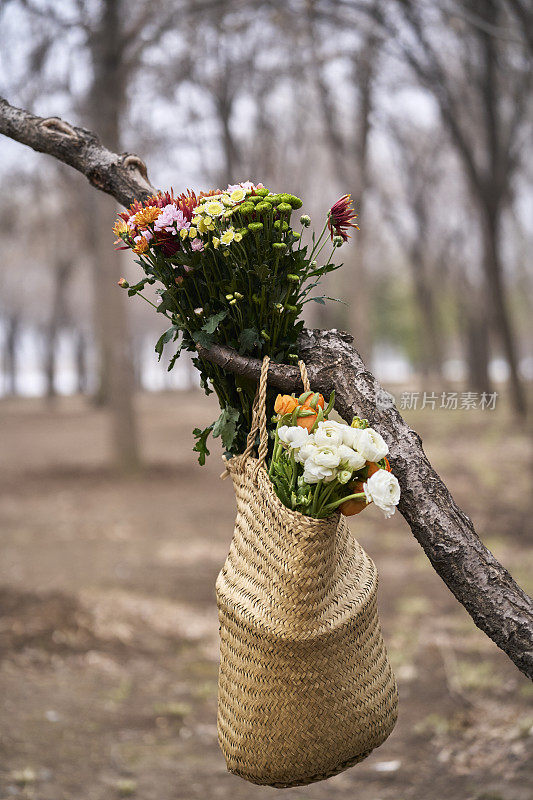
x,y
341,216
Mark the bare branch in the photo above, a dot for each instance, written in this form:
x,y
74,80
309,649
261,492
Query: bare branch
x,y
122,176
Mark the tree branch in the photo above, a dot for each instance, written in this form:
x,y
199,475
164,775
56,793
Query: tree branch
x,y
123,176
498,606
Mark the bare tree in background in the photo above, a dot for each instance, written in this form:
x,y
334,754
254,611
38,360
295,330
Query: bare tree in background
x,y
482,94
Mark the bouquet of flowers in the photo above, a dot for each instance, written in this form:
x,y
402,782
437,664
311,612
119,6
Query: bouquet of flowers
x,y
319,465
230,269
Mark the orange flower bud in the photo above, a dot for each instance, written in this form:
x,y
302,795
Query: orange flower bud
x,y
319,402
285,404
306,422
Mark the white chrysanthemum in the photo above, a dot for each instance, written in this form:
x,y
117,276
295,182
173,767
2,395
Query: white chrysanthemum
x,y
371,445
293,436
383,489
237,195
214,208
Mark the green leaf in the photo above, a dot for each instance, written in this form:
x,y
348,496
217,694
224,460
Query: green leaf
x,y
201,444
212,323
226,426
164,339
203,339
248,339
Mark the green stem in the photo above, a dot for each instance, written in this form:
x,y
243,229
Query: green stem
x,y
337,503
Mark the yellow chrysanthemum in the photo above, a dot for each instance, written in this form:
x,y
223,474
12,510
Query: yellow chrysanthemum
x,y
228,236
141,246
237,195
196,220
192,232
214,208
216,242
184,233
119,227
146,216
238,237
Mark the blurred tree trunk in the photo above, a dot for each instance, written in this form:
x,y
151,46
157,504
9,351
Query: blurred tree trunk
x,y
10,354
106,102
81,361
58,316
431,339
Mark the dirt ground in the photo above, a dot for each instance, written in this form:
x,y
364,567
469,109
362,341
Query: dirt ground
x,y
108,633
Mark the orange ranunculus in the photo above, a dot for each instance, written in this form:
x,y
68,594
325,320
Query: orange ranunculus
x,y
320,402
306,422
285,404
351,507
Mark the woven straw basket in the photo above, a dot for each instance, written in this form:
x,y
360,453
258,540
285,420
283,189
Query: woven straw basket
x,y
305,686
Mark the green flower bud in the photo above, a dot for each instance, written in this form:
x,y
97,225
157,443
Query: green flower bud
x,y
255,227
261,192
294,309
279,224
239,296
233,302
295,201
279,246
246,209
293,278
338,241
284,208
265,336
263,208
254,198
305,220
292,357
273,198
296,235
229,297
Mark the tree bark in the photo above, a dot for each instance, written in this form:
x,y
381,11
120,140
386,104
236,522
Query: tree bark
x,y
495,602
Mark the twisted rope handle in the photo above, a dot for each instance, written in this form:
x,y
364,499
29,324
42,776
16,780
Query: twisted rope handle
x,y
259,419
305,377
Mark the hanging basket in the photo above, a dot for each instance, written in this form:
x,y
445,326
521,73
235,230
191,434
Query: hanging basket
x,y
305,686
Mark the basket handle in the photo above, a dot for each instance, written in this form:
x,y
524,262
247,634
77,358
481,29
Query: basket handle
x,y
259,415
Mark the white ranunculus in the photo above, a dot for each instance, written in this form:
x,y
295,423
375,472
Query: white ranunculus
x,y
371,445
307,450
293,435
326,457
383,489
350,436
328,433
313,473
351,459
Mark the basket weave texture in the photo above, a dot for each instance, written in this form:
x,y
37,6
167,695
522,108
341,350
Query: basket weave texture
x,y
305,686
